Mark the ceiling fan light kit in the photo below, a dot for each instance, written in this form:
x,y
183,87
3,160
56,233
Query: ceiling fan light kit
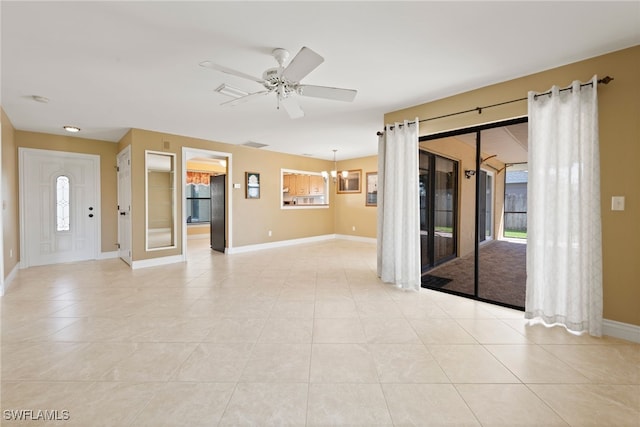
x,y
231,91
284,81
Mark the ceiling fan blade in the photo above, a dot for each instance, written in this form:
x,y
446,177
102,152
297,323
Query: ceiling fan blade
x,y
245,98
223,69
291,107
327,92
302,64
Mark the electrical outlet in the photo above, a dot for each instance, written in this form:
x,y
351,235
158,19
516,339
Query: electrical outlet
x,y
10,253
353,228
269,233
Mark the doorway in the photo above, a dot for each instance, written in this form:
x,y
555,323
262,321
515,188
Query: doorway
x,y
207,198
59,206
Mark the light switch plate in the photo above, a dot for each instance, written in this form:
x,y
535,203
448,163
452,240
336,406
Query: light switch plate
x,y
237,185
617,203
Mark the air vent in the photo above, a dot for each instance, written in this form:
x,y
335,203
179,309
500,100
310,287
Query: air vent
x,y
253,144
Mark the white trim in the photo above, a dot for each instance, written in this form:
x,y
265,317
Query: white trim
x,y
155,262
621,330
279,244
357,238
108,255
9,279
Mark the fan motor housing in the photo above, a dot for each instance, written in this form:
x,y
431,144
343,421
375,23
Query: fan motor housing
x,y
272,75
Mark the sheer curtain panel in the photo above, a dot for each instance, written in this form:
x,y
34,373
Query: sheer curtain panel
x,y
398,220
564,242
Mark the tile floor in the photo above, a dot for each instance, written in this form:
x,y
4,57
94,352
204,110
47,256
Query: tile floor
x,y
302,336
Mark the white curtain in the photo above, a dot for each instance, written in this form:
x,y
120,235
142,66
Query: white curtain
x,y
564,243
398,215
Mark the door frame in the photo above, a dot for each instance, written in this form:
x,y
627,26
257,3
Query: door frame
x,y
188,152
95,160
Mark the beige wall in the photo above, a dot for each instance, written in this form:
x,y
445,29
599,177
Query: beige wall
x,y
251,218
10,222
619,110
351,209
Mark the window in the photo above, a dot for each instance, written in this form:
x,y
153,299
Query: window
x,y
62,203
198,196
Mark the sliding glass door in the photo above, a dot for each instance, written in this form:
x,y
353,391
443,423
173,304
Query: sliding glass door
x,y
463,213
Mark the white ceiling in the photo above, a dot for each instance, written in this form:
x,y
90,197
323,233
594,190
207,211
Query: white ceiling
x,y
508,144
110,66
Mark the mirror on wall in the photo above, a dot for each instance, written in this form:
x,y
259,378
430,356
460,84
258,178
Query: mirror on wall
x,y
160,200
304,189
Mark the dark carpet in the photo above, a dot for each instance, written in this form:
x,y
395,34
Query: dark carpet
x,y
502,273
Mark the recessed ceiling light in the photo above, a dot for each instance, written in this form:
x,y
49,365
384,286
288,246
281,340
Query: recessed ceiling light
x,y
72,129
38,98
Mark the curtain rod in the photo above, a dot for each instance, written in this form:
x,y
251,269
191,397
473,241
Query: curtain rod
x,y
605,80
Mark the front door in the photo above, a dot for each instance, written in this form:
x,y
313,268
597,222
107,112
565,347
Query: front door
x,y
60,212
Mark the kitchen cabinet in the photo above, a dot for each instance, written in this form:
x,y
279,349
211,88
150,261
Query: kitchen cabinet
x,y
316,185
302,185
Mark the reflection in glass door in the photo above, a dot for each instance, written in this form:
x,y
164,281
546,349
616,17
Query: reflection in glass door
x,y
438,195
485,205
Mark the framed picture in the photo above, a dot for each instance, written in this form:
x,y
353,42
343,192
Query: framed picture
x,y
372,189
351,182
252,185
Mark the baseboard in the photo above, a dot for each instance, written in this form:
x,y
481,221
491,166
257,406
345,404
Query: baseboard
x,y
278,244
6,284
357,238
155,262
108,255
621,330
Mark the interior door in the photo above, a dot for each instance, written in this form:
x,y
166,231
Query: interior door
x,y
124,205
217,185
60,217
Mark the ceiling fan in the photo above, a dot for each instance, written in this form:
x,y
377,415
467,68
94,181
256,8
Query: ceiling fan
x,y
284,81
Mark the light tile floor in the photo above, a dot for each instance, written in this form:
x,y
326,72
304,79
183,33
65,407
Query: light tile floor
x,y
303,336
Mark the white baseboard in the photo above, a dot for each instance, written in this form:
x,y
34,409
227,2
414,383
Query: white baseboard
x,y
108,255
6,284
155,262
278,244
621,330
357,238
